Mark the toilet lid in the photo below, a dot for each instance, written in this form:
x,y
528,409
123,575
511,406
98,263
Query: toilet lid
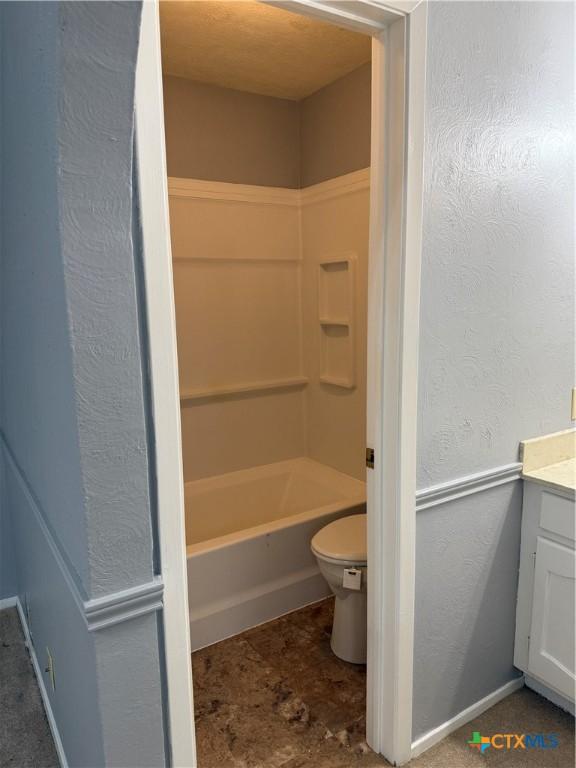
x,y
344,539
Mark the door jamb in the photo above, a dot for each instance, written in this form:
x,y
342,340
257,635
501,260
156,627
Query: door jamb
x,y
398,30
162,354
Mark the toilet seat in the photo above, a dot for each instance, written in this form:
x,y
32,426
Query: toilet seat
x,y
343,541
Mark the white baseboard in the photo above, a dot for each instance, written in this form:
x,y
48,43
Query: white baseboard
x,y
437,734
15,601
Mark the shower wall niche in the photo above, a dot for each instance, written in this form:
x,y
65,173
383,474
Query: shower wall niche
x,y
336,313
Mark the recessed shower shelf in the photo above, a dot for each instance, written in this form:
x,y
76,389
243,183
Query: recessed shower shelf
x,y
336,311
240,389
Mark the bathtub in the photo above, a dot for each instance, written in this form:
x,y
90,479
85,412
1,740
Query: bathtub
x,y
248,542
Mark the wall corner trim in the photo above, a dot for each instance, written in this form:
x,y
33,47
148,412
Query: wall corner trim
x,y
465,486
422,743
102,612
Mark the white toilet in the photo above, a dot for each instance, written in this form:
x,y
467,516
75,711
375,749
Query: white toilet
x,y
340,549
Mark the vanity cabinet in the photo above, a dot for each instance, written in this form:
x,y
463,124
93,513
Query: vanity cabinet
x,y
545,616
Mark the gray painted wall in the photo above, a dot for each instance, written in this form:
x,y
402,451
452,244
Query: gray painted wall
x,y
497,308
72,411
466,581
7,567
38,402
222,134
335,128
97,61
496,320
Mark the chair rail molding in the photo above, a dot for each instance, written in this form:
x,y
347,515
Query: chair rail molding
x,y
99,612
452,490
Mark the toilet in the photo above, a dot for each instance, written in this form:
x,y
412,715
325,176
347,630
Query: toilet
x,y
340,548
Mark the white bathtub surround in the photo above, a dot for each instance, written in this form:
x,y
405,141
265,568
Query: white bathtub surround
x,y
270,289
253,559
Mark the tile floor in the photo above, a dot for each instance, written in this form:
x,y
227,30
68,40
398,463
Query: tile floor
x,y
277,696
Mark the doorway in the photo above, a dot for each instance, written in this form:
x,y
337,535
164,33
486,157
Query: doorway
x,y
392,348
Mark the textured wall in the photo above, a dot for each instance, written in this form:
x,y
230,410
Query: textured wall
x,y
38,416
72,412
466,581
95,175
497,344
43,497
496,347
335,128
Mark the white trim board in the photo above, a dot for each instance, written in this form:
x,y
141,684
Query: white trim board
x,y
422,743
398,87
198,189
163,369
355,181
452,490
117,607
8,602
15,602
101,612
367,16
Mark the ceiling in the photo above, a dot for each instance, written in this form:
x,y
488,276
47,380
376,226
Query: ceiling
x,y
253,47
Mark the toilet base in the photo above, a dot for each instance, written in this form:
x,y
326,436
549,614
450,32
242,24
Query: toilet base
x,y
349,633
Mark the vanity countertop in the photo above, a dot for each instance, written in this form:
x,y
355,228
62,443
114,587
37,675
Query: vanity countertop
x,y
561,475
551,460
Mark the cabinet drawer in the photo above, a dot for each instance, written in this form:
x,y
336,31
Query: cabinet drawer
x,y
557,515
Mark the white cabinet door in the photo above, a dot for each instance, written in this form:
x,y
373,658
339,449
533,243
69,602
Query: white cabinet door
x,y
551,656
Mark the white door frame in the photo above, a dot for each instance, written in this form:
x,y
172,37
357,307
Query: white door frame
x,y
157,257
398,30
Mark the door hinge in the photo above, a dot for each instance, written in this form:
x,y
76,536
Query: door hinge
x,y
370,458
